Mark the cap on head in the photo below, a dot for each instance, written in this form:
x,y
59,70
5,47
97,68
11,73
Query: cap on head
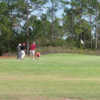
x,y
19,44
33,42
24,44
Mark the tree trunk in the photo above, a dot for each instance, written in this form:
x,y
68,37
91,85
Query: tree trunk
x,y
96,43
53,19
91,29
72,23
27,51
27,33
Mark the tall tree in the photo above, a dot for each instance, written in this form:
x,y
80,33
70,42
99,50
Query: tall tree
x,y
54,6
25,8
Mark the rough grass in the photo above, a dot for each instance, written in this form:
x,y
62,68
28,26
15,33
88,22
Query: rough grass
x,y
53,77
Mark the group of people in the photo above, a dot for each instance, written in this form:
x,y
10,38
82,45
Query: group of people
x,y
21,51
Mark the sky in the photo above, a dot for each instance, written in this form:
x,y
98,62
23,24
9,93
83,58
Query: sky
x,y
59,13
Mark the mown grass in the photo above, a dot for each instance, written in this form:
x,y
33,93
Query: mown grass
x,y
72,76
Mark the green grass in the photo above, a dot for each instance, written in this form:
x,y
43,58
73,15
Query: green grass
x,y
55,76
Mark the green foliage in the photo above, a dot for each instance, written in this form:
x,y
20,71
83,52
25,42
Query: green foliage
x,y
24,21
5,27
82,27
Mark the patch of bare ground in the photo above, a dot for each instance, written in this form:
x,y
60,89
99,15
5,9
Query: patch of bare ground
x,y
44,77
44,98
37,98
7,57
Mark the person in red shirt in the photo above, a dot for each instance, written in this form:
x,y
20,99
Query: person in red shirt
x,y
32,50
37,54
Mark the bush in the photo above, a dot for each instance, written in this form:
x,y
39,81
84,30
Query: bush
x,y
2,49
58,42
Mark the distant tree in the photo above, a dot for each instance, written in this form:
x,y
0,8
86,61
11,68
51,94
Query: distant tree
x,y
5,27
23,11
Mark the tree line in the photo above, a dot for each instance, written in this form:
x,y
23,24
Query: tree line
x,y
28,20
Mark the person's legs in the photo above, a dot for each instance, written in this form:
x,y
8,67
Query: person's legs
x,y
33,54
17,55
23,54
20,55
37,58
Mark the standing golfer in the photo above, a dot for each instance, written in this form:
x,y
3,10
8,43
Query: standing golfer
x,y
32,50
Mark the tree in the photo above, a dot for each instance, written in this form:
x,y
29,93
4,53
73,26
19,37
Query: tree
x,y
54,6
23,10
5,26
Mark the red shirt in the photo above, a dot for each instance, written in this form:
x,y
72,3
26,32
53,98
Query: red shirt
x,y
38,54
32,46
